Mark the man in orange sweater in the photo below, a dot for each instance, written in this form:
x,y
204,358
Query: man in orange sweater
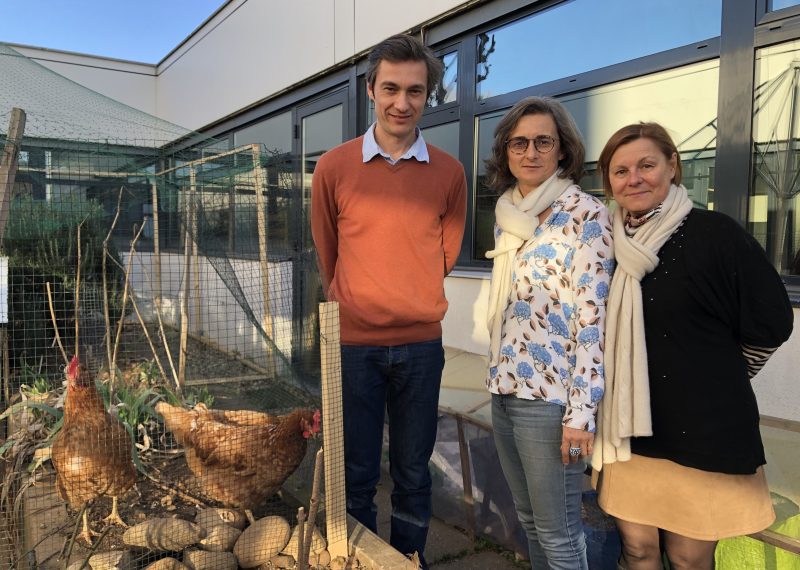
x,y
387,217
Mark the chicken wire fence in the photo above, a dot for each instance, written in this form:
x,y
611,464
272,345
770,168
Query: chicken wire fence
x,y
159,340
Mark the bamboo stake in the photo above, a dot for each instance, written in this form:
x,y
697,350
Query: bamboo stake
x,y
147,335
111,371
55,324
313,505
163,336
78,290
302,561
125,289
187,261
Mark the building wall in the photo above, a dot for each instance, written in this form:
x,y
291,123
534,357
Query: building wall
x,y
127,82
255,48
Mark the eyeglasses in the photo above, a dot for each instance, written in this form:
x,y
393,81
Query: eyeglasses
x,y
542,143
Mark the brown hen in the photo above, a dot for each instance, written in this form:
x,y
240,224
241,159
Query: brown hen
x,y
92,451
240,458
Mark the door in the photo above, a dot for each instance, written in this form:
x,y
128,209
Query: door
x,y
319,126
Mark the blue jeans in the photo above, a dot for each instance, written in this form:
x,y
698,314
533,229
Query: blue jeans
x,y
403,380
547,494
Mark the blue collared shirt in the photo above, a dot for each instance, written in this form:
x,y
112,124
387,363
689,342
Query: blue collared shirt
x,y
370,148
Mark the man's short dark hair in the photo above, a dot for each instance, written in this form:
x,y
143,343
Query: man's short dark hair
x,y
401,48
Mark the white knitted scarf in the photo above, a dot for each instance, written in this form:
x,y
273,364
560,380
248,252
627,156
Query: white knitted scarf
x,y
518,218
624,411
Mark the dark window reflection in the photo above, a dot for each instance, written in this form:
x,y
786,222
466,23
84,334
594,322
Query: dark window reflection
x,y
445,92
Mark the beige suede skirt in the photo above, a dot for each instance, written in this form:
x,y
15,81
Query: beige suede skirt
x,y
690,502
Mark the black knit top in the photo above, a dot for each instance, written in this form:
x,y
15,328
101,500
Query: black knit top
x,y
713,290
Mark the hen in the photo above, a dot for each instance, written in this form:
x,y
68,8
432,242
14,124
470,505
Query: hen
x,y
240,457
92,451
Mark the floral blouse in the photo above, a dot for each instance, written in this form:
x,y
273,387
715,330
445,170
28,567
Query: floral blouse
x,y
553,327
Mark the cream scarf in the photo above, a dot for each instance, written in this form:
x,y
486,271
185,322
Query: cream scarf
x,y
518,218
624,411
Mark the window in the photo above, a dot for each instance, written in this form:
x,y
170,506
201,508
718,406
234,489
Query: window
x,y
775,186
446,91
275,133
781,4
443,136
683,100
275,137
581,35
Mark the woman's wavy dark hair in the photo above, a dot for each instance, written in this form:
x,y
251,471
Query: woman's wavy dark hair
x,y
630,133
498,175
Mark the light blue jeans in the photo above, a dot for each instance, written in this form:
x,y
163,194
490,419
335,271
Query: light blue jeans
x,y
547,494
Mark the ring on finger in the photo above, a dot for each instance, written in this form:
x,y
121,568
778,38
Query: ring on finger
x,y
575,451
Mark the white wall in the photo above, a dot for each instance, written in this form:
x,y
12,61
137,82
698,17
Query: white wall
x,y
127,82
254,48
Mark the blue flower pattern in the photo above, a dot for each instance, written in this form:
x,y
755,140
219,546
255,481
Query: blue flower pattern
x,y
553,329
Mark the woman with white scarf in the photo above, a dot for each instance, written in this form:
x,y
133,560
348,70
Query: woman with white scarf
x,y
695,310
552,267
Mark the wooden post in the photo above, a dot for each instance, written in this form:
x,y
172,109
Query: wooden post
x,y
188,249
466,478
333,432
155,287
8,165
261,218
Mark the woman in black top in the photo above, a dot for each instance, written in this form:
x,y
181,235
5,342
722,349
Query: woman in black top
x,y
695,310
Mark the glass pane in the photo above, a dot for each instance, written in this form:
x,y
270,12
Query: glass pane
x,y
563,40
446,90
443,136
484,198
321,132
780,4
275,136
775,188
275,133
683,100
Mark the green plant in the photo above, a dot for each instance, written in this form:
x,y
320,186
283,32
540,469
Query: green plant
x,y
201,396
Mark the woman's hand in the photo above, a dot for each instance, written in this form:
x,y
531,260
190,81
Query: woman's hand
x,y
572,438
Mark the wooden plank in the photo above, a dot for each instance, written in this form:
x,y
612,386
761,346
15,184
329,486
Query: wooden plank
x,y
156,284
188,241
261,217
778,540
333,432
8,165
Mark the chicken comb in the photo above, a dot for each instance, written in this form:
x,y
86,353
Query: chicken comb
x,y
72,368
316,419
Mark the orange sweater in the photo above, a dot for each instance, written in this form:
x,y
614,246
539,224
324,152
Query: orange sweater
x,y
386,236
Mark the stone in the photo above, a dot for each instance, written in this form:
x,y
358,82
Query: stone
x,y
112,560
203,560
280,562
338,563
320,560
164,534
318,543
220,538
167,564
208,518
261,541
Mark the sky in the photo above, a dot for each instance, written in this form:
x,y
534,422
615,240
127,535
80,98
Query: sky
x,y
135,30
